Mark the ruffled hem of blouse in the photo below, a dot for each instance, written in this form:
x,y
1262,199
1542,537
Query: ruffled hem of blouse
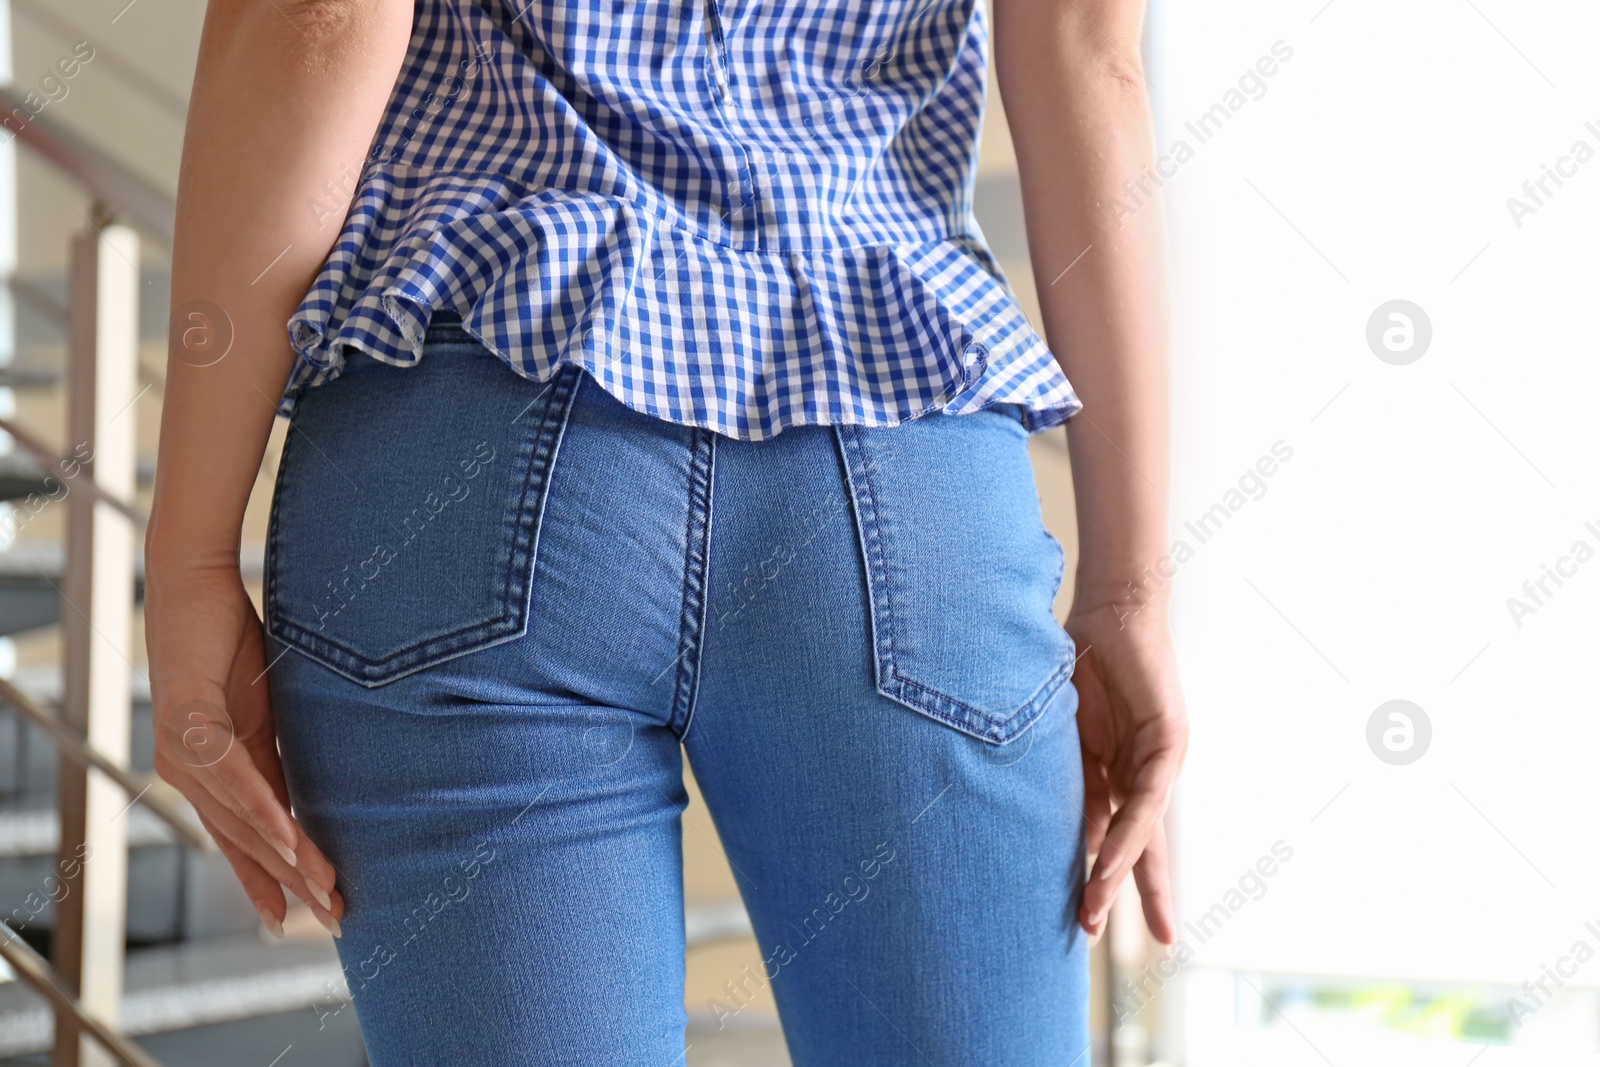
x,y
744,343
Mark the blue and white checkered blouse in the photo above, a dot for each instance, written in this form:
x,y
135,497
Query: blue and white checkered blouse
x,y
735,214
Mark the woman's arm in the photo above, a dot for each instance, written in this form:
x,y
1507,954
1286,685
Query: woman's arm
x,y
1074,93
286,92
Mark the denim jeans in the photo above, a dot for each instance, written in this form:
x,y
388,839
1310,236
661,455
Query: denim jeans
x,y
500,612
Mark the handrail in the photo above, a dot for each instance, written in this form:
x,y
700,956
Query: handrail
x,y
90,926
45,305
37,972
36,298
78,750
40,451
131,197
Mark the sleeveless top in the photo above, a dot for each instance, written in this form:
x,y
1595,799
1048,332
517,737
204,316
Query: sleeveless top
x,y
740,215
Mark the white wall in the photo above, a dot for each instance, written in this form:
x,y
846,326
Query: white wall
x,y
1377,562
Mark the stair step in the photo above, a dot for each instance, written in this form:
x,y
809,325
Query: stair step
x,y
712,921
174,987
173,892
30,582
42,682
221,979
29,761
256,1042
36,830
21,474
13,377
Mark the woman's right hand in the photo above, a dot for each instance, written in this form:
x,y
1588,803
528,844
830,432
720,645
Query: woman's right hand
x,y
215,740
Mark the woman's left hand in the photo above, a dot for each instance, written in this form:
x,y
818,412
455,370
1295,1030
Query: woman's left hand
x,y
1134,733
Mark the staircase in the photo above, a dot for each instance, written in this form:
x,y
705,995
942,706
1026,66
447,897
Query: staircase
x,y
151,934
196,953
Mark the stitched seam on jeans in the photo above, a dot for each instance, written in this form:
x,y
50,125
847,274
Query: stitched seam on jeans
x,y
421,654
872,553
892,682
696,568
995,728
539,455
530,520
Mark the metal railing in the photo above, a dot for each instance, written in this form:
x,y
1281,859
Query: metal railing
x,y
92,731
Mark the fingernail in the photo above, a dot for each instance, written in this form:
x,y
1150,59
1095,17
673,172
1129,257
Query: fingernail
x,y
330,924
270,921
1096,917
318,894
1105,872
288,855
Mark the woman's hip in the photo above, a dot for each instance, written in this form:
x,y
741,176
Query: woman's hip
x,y
546,539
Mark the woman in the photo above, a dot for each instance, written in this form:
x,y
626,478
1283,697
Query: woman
x,y
658,377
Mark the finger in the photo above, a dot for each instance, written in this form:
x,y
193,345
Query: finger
x,y
237,785
250,702
310,860
1126,839
217,809
325,905
318,872
1096,808
263,890
1153,875
1136,818
1126,836
1098,897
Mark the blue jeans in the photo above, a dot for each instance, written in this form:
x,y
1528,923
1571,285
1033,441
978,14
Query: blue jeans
x,y
505,610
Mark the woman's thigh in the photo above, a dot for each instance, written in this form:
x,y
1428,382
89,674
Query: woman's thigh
x,y
511,872
885,737
459,575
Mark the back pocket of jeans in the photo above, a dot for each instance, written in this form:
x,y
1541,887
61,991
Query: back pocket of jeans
x,y
961,572
405,523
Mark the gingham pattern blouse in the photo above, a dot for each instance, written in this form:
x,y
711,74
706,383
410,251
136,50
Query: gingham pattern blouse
x,y
740,215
